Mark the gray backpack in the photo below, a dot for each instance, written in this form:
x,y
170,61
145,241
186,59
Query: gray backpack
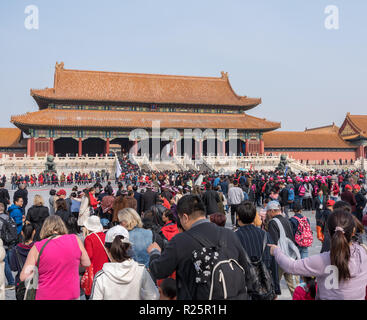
x,y
285,244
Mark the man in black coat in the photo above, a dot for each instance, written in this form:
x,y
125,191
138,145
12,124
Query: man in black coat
x,y
22,192
360,202
211,199
4,196
273,211
177,255
148,199
137,196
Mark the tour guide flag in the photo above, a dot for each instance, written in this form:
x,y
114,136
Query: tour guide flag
x,y
118,168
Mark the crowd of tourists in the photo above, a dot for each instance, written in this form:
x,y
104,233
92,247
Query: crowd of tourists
x,y
57,180
166,236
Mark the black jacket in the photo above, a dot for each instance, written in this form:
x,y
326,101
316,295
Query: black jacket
x,y
64,215
211,199
137,196
37,216
148,199
252,239
361,203
4,197
283,197
16,265
275,232
177,256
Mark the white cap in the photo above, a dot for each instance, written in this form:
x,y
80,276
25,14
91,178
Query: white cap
x,y
273,205
117,231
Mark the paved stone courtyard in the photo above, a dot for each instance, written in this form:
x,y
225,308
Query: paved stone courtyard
x,y
44,192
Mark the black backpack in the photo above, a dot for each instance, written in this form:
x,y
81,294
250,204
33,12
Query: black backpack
x,y
217,276
9,233
262,285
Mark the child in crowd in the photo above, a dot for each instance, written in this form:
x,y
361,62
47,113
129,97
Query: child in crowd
x,y
306,290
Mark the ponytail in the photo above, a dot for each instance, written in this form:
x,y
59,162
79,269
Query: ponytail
x,y
340,254
119,250
341,227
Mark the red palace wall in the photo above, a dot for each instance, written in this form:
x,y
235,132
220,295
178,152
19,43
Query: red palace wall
x,y
317,156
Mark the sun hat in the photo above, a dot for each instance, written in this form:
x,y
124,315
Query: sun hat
x,y
93,224
117,231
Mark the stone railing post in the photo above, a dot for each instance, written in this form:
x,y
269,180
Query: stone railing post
x,y
2,271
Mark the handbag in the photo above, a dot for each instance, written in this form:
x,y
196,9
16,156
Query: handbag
x,y
20,289
31,287
86,282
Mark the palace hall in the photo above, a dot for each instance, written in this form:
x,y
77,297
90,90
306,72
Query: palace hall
x,y
87,111
94,112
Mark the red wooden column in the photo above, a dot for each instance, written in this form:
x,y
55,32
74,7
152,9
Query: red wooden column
x,y
108,146
135,147
201,148
51,147
247,147
29,147
224,147
80,147
262,147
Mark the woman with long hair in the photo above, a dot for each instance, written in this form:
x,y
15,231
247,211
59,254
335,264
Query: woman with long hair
x,y
341,274
86,206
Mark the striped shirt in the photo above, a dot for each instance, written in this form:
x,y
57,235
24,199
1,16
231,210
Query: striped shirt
x,y
252,239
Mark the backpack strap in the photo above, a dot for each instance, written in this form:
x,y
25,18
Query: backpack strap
x,y
281,228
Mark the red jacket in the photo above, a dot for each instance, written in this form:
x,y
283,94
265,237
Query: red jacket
x,y
335,190
166,203
169,230
96,252
93,201
301,294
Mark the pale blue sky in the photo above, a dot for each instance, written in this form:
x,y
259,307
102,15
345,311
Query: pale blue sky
x,y
278,50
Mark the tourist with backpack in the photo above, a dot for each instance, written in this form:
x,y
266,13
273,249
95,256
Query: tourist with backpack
x,y
280,230
9,237
291,195
4,196
254,241
19,256
202,244
303,235
16,212
307,199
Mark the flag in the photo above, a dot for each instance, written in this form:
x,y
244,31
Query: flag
x,y
118,168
